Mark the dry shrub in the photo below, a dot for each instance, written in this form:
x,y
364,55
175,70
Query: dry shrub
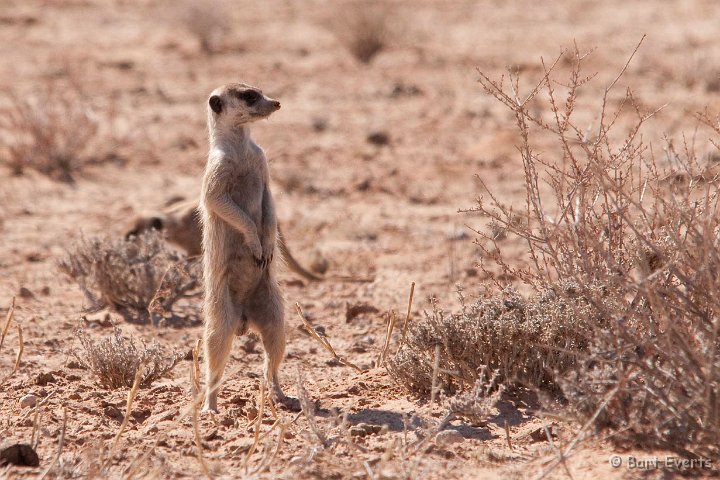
x,y
633,342
644,229
56,131
208,21
115,359
364,29
139,278
522,341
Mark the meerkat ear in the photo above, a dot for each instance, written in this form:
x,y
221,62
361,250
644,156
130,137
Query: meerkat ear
x,y
215,103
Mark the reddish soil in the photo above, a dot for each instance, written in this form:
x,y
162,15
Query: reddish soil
x,y
389,212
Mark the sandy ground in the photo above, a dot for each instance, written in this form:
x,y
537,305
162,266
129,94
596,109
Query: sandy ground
x,y
389,212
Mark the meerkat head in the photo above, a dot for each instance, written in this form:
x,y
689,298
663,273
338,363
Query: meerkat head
x,y
142,225
236,104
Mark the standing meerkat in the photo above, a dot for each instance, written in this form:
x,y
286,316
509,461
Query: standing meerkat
x,y
239,237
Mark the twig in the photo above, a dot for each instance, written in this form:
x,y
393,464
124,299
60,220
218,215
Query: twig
x,y
407,317
61,443
392,318
195,380
131,397
20,352
258,424
195,371
198,442
324,341
436,369
10,315
507,435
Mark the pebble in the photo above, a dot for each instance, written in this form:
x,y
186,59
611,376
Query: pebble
x,y
29,400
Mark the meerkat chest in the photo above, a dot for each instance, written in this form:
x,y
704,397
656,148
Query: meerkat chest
x,y
247,192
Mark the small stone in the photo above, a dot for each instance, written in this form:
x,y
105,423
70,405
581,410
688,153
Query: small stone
x,y
152,429
378,138
251,413
449,437
20,454
74,396
45,378
113,412
28,401
25,293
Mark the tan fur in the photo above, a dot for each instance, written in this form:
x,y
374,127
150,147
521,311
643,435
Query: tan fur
x,y
181,226
239,238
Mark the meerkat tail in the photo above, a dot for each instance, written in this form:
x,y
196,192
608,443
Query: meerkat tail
x,y
292,263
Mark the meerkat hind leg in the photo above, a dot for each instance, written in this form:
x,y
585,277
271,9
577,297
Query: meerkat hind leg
x,y
267,317
218,340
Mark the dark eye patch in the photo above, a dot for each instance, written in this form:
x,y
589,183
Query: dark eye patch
x,y
249,96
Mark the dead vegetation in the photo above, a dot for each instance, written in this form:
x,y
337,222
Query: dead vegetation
x,y
116,359
209,21
639,351
364,29
55,130
523,341
140,278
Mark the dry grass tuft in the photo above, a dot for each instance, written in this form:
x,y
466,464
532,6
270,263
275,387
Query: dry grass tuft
x,y
364,29
115,360
208,21
56,131
141,278
523,341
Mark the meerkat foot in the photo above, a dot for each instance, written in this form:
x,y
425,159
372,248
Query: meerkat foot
x,y
210,405
280,399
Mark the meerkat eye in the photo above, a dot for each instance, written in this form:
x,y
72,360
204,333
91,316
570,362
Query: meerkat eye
x,y
249,96
156,223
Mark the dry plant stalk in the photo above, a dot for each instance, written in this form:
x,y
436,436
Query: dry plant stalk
x,y
308,408
195,370
8,320
256,427
20,350
407,317
323,341
391,319
197,401
61,444
128,407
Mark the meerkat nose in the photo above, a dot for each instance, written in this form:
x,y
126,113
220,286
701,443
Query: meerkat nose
x,y
276,104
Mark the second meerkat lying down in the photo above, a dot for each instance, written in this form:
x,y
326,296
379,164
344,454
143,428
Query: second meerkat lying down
x,y
180,224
